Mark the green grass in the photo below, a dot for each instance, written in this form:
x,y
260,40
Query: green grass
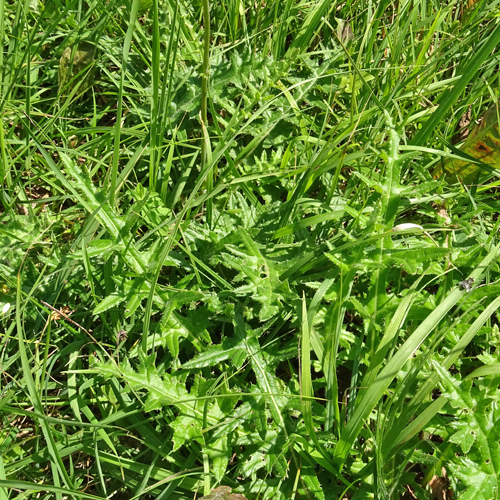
x,y
218,216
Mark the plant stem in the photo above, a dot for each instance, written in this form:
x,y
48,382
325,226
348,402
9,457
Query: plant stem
x,y
205,144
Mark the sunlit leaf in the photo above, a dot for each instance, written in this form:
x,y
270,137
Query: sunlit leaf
x,y
481,146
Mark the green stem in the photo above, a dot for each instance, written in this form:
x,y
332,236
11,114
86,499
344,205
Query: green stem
x,y
119,108
205,145
205,69
155,80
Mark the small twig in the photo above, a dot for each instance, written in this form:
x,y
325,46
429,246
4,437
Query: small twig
x,y
66,317
487,284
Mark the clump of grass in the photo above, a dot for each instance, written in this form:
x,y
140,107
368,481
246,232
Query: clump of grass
x,y
264,295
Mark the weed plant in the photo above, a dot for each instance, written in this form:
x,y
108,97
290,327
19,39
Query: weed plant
x,y
225,259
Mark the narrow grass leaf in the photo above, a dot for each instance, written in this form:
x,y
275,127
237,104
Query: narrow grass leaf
x,y
381,383
467,71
